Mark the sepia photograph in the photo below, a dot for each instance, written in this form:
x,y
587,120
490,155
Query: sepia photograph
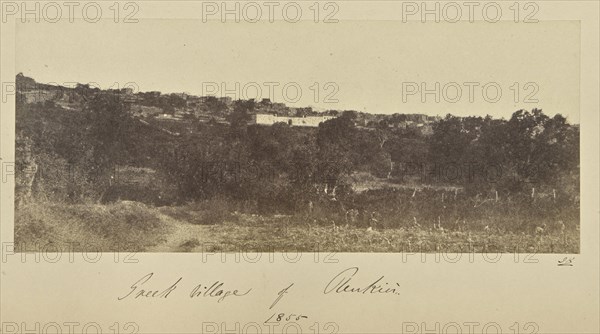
x,y
189,136
322,167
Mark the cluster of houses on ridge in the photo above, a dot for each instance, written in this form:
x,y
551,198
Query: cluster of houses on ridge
x,y
179,107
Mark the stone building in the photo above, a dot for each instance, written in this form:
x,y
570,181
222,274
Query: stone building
x,y
308,121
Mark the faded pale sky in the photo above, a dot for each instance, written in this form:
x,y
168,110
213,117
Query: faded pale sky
x,y
368,61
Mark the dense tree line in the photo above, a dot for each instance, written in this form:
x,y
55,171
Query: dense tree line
x,y
281,168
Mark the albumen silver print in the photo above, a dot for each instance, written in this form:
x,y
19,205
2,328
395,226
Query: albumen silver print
x,y
287,164
299,167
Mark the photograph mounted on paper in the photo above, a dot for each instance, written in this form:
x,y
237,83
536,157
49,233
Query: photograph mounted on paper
x,y
168,151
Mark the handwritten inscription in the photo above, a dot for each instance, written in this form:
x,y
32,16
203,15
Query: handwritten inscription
x,y
280,295
283,317
139,289
215,290
566,262
343,283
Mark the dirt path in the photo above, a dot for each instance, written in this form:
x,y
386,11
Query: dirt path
x,y
184,237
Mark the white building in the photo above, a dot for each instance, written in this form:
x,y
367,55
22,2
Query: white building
x,y
311,121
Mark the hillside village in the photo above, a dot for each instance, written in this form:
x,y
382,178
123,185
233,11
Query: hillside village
x,y
155,107
147,168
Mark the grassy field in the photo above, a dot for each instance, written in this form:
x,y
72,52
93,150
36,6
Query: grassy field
x,y
276,233
122,226
211,227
